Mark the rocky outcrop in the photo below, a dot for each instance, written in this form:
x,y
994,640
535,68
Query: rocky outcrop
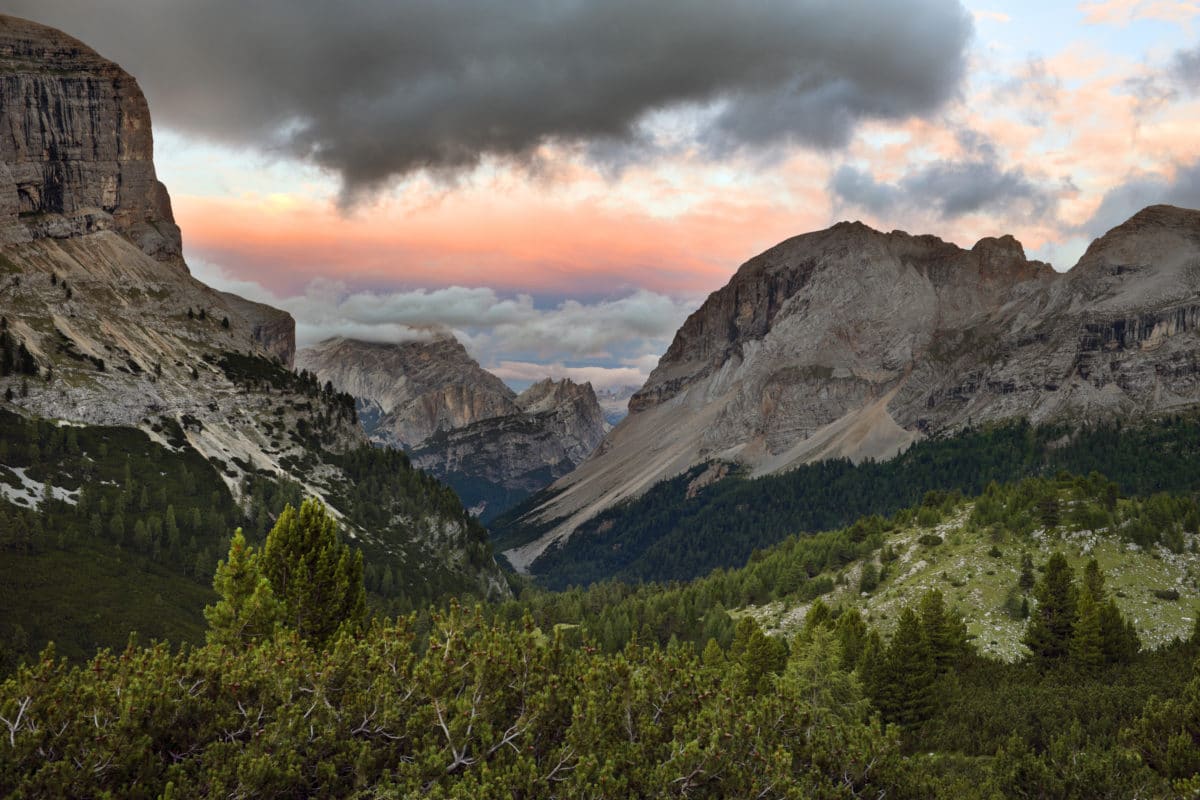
x,y
852,342
76,145
416,388
497,462
460,422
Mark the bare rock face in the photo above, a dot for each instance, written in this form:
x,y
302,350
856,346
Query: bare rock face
x,y
415,388
460,422
76,145
850,342
497,462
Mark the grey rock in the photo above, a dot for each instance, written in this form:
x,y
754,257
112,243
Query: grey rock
x,y
76,144
460,422
92,282
850,342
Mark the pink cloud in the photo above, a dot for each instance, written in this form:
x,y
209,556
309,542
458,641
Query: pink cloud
x,y
1123,12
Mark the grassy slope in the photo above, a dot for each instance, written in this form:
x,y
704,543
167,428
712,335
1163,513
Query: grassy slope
x,y
978,583
670,533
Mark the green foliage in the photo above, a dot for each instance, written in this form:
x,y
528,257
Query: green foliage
x,y
247,611
478,710
317,579
1049,633
670,533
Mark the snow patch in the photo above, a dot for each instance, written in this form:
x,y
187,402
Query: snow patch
x,y
31,492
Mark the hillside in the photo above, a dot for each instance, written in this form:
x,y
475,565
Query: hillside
x,y
977,564
853,343
687,526
156,412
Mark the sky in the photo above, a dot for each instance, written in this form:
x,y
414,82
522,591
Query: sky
x,y
561,182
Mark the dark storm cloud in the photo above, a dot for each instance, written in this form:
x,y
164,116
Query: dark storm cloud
x,y
1124,201
380,88
951,188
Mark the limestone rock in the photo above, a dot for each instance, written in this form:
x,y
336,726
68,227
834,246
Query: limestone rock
x,y
417,387
93,284
460,422
76,145
851,342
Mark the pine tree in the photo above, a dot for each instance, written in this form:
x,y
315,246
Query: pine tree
x,y
851,631
316,577
248,611
1027,580
1093,580
1048,634
1087,650
905,679
945,632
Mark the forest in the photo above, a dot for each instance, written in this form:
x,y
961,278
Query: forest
x,y
622,690
670,533
126,531
302,677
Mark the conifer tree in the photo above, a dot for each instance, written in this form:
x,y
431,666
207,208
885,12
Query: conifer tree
x,y
317,578
1087,646
1048,635
945,632
851,631
248,611
905,679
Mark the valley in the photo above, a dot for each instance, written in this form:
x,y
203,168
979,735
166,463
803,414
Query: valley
x,y
889,517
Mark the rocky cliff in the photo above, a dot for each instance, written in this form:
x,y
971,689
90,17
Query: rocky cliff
x,y
853,342
460,422
412,389
93,287
497,462
76,145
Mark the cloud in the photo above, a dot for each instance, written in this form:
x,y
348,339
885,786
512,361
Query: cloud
x,y
382,89
1182,188
1122,12
950,188
992,16
523,372
611,342
1185,68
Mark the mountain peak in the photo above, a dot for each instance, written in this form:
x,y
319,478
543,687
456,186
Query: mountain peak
x,y
86,163
849,342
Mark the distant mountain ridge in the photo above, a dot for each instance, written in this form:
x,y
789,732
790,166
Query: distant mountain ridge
x,y
460,422
851,342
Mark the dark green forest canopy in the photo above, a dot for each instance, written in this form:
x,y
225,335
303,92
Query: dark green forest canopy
x,y
133,544
671,534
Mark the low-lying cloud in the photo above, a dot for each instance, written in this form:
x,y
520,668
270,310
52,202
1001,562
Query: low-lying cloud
x,y
381,89
608,342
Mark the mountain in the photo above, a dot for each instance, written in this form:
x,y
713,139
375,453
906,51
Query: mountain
x,y
460,422
850,342
145,414
409,390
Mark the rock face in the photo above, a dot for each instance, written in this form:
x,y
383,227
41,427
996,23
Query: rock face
x,y
852,342
460,422
411,389
76,145
496,462
93,286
